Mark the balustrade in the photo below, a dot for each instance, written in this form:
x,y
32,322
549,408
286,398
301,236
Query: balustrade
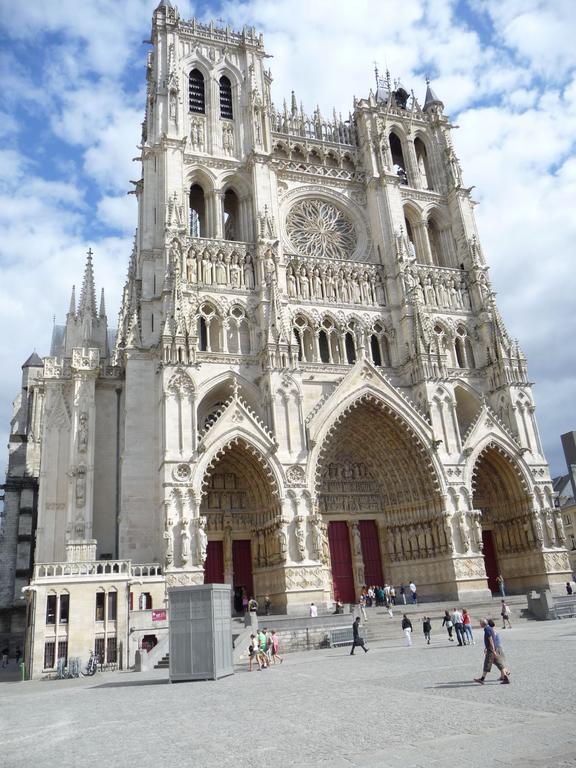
x,y
96,568
296,123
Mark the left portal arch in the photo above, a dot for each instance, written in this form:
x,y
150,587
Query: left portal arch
x,y
246,535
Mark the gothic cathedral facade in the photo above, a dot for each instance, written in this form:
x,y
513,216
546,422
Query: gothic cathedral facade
x,y
310,387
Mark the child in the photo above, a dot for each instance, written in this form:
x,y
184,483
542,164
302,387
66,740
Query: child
x,y
427,628
275,646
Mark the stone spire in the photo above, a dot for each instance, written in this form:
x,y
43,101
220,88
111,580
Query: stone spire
x,y
72,309
102,310
88,294
432,101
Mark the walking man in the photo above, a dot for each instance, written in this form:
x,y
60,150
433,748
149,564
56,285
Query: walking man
x,y
501,585
403,593
505,613
490,656
413,591
5,653
407,629
458,621
357,640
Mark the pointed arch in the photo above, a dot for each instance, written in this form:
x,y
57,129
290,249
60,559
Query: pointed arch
x,y
249,445
415,437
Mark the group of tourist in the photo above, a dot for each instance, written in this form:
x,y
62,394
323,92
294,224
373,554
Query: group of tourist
x,y
263,648
385,597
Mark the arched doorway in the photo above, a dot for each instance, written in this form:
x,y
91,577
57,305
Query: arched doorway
x,y
508,530
379,495
242,522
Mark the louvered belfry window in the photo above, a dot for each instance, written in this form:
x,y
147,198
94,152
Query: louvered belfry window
x,y
225,98
196,92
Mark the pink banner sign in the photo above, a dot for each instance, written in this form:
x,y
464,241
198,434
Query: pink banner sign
x,y
159,615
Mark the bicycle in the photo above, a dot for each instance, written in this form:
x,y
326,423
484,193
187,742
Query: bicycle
x,y
91,666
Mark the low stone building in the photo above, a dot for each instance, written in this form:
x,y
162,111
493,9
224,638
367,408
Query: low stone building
x,y
310,387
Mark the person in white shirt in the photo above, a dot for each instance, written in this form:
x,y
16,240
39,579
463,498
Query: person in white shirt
x,y
458,621
413,591
313,611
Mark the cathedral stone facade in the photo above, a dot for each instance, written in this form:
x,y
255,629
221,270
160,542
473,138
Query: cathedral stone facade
x,y
310,387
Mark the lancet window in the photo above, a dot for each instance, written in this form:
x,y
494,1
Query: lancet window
x,y
225,98
231,215
196,98
398,162
423,164
209,329
379,347
197,211
304,339
238,332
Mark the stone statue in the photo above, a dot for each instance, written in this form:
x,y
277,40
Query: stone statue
x,y
538,529
560,532
81,486
463,532
548,522
356,541
300,539
317,537
169,539
248,272
191,268
185,541
201,541
291,283
304,284
283,543
82,432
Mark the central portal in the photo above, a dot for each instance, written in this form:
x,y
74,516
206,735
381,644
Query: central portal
x,y
379,497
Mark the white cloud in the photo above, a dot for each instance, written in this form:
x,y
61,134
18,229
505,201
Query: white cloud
x,y
118,212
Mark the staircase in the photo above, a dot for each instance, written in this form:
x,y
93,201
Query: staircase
x,y
164,662
565,607
381,627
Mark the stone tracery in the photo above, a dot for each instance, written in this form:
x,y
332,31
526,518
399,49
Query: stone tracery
x,y
317,228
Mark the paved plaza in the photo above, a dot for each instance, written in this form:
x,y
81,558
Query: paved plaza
x,y
393,707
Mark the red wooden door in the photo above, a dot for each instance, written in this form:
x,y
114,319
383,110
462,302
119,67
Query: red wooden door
x,y
490,560
214,565
340,555
371,553
242,565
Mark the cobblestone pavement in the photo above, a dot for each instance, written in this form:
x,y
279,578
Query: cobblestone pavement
x,y
393,707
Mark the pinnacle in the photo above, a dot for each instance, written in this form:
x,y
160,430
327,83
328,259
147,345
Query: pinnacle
x,y
88,294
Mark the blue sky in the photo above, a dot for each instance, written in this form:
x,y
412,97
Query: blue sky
x,y
73,100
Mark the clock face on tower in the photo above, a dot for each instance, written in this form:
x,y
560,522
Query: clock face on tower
x,y
318,228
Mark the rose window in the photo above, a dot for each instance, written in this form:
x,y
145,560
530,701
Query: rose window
x,y
317,228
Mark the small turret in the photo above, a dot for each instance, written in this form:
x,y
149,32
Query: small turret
x,y
432,103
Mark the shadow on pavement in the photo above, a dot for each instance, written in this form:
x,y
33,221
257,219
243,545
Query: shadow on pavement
x,y
460,684
129,683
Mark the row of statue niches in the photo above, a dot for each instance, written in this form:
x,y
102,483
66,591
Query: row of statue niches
x,y
343,285
447,292
235,270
